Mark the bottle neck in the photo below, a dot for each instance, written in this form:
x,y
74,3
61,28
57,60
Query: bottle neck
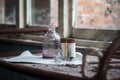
x,y
51,30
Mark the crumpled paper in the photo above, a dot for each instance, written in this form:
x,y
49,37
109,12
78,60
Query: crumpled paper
x,y
28,57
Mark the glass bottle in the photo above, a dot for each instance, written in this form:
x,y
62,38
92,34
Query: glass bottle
x,y
51,44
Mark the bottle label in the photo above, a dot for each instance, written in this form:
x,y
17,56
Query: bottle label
x,y
71,50
64,50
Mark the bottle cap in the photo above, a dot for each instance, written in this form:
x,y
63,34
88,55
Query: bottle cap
x,y
63,40
70,40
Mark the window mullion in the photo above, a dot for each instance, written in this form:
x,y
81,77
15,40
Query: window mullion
x,y
21,14
65,18
29,12
60,17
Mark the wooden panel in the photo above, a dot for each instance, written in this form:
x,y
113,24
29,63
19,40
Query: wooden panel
x,y
93,34
81,43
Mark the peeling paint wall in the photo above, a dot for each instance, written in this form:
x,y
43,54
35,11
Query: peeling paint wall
x,y
98,14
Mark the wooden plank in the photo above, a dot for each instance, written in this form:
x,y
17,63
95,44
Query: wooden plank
x,y
52,72
94,34
81,43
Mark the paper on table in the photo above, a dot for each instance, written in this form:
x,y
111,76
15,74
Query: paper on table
x,y
28,57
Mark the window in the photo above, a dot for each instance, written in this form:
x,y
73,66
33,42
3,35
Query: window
x,y
90,22
24,13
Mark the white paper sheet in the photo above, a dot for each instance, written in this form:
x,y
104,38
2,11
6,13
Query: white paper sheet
x,y
28,57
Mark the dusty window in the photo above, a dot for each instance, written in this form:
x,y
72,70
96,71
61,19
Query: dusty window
x,y
44,12
2,10
8,11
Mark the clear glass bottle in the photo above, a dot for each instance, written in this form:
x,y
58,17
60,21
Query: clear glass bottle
x,y
51,44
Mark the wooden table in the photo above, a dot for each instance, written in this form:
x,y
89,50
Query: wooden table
x,y
47,72
53,72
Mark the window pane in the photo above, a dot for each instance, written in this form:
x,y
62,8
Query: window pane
x,y
7,11
54,12
2,10
97,14
10,11
44,12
